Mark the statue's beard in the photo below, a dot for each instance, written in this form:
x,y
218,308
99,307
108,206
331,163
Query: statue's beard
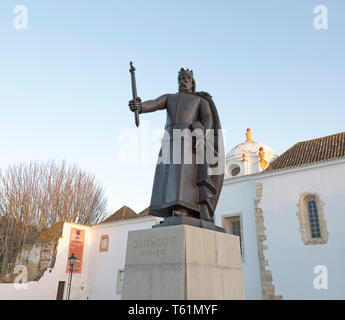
x,y
184,88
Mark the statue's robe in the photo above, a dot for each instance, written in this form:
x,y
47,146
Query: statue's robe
x,y
187,184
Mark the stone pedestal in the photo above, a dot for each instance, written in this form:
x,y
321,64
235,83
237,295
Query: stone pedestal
x,y
182,262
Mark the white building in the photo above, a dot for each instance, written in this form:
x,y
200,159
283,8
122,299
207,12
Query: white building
x,y
100,250
290,217
287,210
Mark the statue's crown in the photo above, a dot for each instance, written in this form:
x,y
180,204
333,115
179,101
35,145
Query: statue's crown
x,y
185,72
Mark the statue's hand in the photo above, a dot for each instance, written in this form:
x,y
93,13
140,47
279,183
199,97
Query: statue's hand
x,y
135,104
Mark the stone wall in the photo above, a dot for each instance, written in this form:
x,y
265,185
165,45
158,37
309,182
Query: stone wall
x,y
268,289
38,256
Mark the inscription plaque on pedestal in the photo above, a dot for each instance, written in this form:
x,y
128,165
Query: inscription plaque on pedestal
x,y
182,262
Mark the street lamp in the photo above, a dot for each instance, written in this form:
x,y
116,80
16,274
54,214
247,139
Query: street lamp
x,y
72,259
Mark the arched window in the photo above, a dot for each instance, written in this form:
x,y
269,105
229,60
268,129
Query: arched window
x,y
312,221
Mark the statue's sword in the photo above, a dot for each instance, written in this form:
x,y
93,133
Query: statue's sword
x,y
134,91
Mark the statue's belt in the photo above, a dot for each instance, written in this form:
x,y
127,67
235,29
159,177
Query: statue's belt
x,y
178,125
182,125
170,134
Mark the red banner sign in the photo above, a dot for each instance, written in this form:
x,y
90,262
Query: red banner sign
x,y
76,246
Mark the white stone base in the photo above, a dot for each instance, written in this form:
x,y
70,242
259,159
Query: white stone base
x,y
182,262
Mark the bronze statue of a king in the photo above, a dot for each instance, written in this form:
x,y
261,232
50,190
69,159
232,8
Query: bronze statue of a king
x,y
190,170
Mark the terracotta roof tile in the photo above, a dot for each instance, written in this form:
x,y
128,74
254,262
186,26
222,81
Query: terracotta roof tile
x,y
145,212
125,213
311,151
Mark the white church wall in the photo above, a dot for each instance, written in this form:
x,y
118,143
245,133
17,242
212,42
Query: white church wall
x,y
104,266
237,198
291,262
46,287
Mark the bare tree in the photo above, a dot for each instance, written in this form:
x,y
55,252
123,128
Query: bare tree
x,y
35,196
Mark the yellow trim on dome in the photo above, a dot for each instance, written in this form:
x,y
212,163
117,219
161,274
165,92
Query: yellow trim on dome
x,y
263,162
249,135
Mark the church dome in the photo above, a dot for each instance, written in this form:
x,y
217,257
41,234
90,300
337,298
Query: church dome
x,y
248,157
250,147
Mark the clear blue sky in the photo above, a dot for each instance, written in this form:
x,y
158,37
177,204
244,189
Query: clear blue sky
x,y
65,85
